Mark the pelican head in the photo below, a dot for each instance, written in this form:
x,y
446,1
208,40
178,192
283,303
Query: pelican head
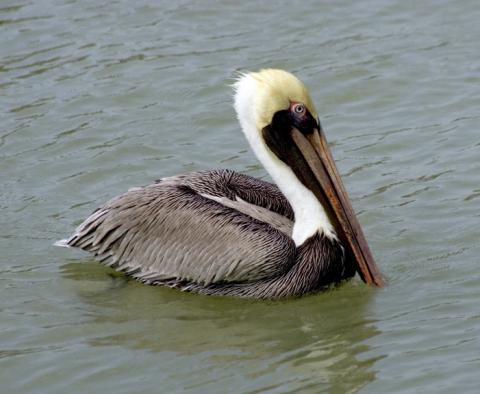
x,y
280,122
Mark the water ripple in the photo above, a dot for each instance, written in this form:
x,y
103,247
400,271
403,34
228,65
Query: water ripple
x,y
99,97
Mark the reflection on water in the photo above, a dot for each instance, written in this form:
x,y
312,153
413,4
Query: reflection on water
x,y
316,340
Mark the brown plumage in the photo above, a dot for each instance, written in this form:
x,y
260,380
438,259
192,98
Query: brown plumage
x,y
169,233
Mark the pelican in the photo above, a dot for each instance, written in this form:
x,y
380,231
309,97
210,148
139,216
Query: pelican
x,y
221,232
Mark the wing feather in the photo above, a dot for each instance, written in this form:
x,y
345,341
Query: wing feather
x,y
169,231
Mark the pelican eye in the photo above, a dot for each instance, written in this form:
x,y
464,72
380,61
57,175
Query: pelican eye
x,y
299,109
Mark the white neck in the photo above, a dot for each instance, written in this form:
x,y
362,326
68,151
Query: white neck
x,y
310,216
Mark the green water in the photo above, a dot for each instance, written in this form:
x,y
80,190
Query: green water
x,y
95,99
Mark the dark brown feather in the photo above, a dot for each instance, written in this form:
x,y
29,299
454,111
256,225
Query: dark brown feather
x,y
177,232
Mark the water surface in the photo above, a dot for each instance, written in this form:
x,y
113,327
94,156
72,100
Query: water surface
x,y
98,98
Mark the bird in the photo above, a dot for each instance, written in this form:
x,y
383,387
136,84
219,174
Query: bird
x,y
221,232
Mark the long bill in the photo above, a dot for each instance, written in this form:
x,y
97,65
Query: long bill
x,y
315,151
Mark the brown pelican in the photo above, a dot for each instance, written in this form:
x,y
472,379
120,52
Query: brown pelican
x,y
225,233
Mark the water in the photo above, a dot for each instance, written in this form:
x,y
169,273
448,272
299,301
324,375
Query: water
x,y
98,98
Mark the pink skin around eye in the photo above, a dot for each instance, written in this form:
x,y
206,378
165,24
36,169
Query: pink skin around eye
x,y
294,108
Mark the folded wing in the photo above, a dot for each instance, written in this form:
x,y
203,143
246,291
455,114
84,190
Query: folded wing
x,y
194,229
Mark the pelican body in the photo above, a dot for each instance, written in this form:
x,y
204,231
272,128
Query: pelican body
x,y
225,233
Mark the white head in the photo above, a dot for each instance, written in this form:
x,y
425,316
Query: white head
x,y
258,98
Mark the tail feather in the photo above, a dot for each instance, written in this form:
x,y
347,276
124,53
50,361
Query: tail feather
x,y
63,243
